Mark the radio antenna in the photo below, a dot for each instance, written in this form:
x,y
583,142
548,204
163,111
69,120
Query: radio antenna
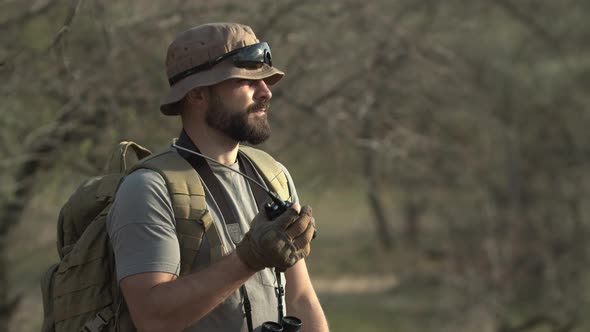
x,y
277,200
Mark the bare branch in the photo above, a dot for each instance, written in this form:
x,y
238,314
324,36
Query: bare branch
x,y
163,19
37,9
56,39
318,101
66,25
281,11
530,22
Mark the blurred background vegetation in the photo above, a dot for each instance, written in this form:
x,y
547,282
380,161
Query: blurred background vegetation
x,y
445,140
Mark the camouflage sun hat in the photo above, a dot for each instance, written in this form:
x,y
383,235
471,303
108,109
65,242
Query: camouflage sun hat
x,y
211,53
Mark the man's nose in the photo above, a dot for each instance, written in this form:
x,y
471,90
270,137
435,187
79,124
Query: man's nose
x,y
262,91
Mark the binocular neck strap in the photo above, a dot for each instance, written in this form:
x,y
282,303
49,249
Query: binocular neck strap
x,y
247,307
280,294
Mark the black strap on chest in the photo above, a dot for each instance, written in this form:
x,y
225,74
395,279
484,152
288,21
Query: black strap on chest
x,y
217,191
204,170
260,196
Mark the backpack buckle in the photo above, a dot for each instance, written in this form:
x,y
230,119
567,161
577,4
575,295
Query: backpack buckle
x,y
97,323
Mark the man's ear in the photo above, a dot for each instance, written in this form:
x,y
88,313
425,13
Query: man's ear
x,y
198,97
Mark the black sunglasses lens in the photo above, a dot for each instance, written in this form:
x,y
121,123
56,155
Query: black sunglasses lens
x,y
248,64
253,57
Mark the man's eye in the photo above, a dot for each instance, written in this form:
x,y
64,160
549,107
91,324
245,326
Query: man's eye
x,y
246,81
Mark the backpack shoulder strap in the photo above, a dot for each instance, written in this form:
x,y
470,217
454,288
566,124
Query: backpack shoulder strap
x,y
272,173
188,203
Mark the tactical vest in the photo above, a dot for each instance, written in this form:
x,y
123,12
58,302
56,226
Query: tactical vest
x,y
81,293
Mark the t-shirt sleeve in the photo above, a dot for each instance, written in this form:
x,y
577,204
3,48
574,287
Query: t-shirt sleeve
x,y
141,226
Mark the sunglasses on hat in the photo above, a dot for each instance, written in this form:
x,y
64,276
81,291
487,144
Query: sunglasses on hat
x,y
248,57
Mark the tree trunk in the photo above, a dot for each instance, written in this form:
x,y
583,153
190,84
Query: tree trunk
x,y
73,125
373,199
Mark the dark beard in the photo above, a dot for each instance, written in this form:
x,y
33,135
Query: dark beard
x,y
235,124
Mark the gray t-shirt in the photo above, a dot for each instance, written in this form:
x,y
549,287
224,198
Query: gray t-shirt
x,y
141,226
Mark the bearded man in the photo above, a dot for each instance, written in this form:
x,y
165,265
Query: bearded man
x,y
220,76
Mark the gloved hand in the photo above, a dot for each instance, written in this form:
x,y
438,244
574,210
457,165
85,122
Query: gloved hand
x,y
277,243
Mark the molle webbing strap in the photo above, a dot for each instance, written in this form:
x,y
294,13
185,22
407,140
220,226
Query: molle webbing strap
x,y
269,169
99,321
213,184
188,202
260,196
216,247
206,174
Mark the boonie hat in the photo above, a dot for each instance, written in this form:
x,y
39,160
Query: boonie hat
x,y
199,57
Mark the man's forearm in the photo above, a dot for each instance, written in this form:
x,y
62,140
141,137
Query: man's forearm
x,y
311,314
176,304
302,301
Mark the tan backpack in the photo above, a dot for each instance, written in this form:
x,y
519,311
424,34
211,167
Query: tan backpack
x,y
81,293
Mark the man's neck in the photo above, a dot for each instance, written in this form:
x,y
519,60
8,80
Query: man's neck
x,y
214,144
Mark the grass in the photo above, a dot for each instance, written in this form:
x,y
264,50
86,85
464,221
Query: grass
x,y
367,313
346,246
362,313
412,306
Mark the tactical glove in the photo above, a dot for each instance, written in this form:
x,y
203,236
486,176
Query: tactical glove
x,y
278,243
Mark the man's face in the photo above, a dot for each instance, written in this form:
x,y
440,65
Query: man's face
x,y
238,113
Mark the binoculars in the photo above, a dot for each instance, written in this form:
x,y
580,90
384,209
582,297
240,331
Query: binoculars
x,y
288,324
